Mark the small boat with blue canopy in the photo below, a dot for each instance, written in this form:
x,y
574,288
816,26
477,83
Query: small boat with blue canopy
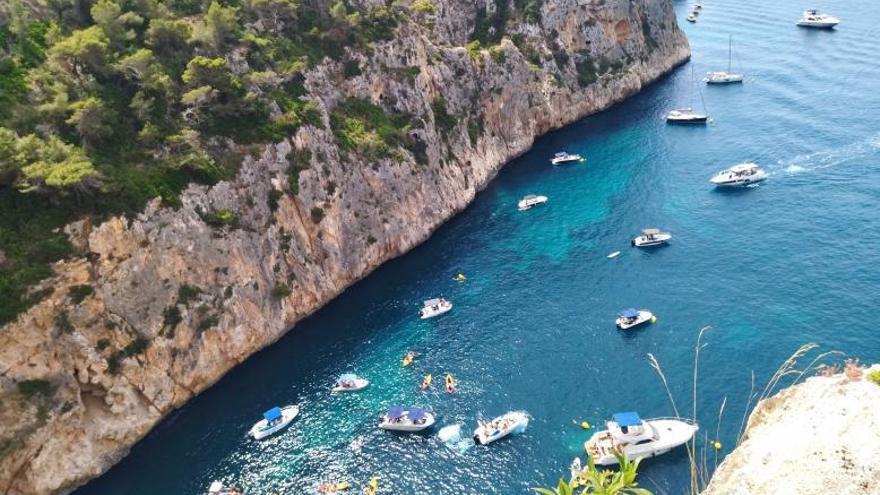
x,y
636,438
349,382
631,317
411,419
274,420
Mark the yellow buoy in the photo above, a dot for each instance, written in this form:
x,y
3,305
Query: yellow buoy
x,y
717,445
653,319
585,425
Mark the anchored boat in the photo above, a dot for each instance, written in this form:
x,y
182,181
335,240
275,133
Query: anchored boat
x,y
434,307
635,438
407,420
509,423
563,157
728,76
218,488
530,201
740,175
812,18
651,238
350,383
274,420
631,317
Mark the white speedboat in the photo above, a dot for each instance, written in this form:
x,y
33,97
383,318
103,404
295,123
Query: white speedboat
x,y
500,427
274,420
635,438
434,307
563,157
728,76
740,175
530,201
686,116
691,17
815,19
408,420
218,488
631,317
349,383
651,238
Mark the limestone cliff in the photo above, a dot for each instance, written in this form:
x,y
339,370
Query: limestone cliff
x,y
818,437
179,295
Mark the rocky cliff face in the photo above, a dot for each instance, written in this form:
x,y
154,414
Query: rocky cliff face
x,y
819,437
181,295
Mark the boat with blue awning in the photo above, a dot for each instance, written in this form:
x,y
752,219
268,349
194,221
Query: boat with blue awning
x,y
637,438
398,418
274,420
631,317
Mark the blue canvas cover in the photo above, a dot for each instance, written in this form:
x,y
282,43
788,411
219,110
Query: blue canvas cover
x,y
629,313
416,414
624,419
273,414
395,412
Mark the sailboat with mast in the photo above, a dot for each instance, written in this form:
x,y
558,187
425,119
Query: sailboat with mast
x,y
725,77
689,115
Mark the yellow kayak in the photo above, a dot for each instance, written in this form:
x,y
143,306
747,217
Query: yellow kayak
x,y
340,486
427,381
408,359
373,487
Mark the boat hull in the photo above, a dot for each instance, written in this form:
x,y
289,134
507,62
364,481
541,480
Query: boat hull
x,y
359,384
658,240
259,430
670,433
406,426
818,24
644,317
520,421
425,315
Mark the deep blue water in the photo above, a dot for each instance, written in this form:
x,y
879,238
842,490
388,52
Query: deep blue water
x,y
769,268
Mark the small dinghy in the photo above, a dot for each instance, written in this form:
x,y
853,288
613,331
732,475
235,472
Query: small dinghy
x,y
635,438
500,427
274,420
407,420
686,116
615,254
651,238
563,157
350,383
530,201
744,174
630,317
218,488
434,307
812,18
691,17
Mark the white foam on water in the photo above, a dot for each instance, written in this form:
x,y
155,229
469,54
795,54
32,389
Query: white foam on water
x,y
831,157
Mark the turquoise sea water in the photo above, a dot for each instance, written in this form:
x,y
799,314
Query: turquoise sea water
x,y
769,268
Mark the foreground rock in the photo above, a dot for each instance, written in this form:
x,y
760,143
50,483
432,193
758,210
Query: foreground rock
x,y
815,438
161,305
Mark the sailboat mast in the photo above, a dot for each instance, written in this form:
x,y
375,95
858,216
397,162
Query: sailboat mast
x,y
729,52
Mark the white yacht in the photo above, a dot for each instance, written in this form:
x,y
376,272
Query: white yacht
x,y
218,488
691,17
349,383
815,19
631,317
500,427
274,420
563,157
434,307
636,438
686,116
740,175
407,420
530,201
728,76
651,238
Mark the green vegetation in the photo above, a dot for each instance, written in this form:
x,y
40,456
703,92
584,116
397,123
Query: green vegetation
x,y
592,481
280,291
586,70
363,127
171,317
475,129
102,344
105,104
35,388
62,323
135,347
423,7
78,293
299,160
443,120
874,377
317,214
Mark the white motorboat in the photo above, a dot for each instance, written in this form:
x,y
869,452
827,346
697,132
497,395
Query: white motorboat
x,y
698,7
728,76
530,201
274,420
407,420
349,383
218,488
635,438
434,307
563,157
814,19
686,116
509,423
740,175
691,17
651,238
631,317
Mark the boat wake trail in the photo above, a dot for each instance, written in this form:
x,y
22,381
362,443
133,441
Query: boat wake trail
x,y
832,157
451,437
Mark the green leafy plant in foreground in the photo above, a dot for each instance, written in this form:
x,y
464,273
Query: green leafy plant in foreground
x,y
592,481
